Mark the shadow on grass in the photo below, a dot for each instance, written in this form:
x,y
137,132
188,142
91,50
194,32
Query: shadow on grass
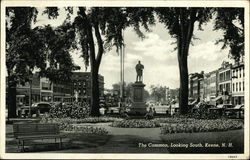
x,y
73,141
234,138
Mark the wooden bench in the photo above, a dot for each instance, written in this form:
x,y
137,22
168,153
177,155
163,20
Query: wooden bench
x,y
36,131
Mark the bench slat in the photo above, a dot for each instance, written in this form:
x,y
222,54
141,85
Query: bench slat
x,y
35,129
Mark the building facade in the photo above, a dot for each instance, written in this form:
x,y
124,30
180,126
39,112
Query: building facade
x,y
22,91
81,86
225,82
238,83
43,90
196,83
210,85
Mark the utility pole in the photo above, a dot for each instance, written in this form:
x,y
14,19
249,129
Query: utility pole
x,y
122,56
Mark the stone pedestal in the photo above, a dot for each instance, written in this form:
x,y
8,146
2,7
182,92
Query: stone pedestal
x,y
138,103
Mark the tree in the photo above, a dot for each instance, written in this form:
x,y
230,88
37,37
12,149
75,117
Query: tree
x,y
28,49
180,24
158,92
103,26
146,95
231,21
20,50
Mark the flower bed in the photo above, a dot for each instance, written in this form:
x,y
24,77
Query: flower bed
x,y
65,123
99,119
135,123
174,120
201,126
87,129
73,110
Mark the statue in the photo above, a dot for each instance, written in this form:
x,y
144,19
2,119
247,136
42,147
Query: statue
x,y
139,67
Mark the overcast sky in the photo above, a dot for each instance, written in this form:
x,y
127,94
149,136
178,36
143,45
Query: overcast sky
x,y
156,53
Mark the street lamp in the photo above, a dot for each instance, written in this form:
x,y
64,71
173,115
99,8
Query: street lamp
x,y
30,89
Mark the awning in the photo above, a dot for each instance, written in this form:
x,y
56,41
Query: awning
x,y
220,106
238,106
217,98
193,102
20,95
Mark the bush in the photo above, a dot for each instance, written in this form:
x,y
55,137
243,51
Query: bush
x,y
74,110
201,126
135,123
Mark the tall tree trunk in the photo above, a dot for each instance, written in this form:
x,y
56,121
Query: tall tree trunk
x,y
11,98
95,61
94,93
183,42
183,92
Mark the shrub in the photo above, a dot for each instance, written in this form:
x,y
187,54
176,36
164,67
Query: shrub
x,y
74,110
201,126
135,123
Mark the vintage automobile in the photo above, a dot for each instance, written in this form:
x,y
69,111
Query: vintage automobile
x,y
36,108
235,112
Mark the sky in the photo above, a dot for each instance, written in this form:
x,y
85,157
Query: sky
x,y
156,53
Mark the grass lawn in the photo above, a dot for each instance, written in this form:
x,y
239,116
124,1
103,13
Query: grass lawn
x,y
235,137
126,140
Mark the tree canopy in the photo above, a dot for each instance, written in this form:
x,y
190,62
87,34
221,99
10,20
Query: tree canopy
x,y
231,22
28,49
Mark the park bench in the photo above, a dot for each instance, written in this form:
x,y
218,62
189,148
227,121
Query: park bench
x,y
35,131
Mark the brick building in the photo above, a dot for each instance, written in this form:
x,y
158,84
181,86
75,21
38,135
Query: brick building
x,y
210,85
43,90
196,84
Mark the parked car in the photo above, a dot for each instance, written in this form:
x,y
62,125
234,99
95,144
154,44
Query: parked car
x,y
42,107
113,110
36,108
235,112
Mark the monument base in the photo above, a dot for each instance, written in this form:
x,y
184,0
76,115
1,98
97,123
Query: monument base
x,y
139,107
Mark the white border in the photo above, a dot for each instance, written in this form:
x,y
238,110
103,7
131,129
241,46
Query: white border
x,y
141,3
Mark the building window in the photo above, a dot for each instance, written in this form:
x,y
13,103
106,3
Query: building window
x,y
221,77
45,86
236,86
239,86
243,86
233,86
228,87
221,87
236,73
240,72
243,72
228,75
233,73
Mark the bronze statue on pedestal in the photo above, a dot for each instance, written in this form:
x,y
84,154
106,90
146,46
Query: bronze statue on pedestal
x,y
139,70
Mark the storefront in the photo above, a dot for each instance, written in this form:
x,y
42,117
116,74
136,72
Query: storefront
x,y
46,97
